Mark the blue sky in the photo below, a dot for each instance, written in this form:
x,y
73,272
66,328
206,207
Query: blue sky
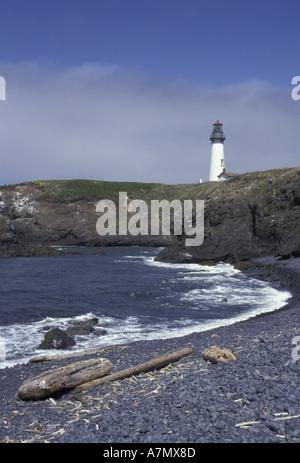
x,y
129,89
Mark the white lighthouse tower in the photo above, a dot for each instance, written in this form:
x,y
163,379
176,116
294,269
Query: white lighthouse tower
x,y
217,160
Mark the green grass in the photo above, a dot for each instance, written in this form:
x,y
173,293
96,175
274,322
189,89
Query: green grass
x,y
76,190
261,185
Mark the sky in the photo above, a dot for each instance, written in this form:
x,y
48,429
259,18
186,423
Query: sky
x,y
128,90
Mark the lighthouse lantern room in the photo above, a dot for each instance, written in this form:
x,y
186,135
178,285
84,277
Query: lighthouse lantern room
x,y
217,160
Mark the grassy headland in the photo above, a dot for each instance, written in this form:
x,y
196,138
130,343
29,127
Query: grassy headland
x,y
258,185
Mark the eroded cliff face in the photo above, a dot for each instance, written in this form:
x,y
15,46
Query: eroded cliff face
x,y
30,219
27,219
253,215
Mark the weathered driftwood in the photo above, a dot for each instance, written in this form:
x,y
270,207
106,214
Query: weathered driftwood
x,y
153,364
52,358
215,354
67,377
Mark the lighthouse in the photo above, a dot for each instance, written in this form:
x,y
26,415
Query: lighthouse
x,y
217,160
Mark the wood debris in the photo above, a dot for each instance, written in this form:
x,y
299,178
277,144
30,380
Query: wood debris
x,y
155,363
66,377
215,354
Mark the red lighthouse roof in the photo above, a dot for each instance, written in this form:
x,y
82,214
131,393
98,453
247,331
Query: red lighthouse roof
x,y
218,123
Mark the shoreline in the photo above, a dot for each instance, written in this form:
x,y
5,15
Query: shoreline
x,y
262,298
194,401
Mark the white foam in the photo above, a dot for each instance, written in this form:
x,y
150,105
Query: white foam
x,y
221,281
21,341
221,268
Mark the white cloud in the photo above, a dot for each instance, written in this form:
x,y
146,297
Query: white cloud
x,y
102,122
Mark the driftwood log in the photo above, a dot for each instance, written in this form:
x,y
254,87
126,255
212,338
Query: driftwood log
x,y
153,364
67,377
53,358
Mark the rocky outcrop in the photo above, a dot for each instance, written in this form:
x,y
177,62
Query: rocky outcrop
x,y
30,222
56,339
253,215
62,339
250,216
85,327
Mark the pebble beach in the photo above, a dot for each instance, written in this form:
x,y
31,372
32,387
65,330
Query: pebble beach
x,y
253,399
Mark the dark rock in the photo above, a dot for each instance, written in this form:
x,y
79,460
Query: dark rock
x,y
100,333
209,263
79,330
57,339
87,323
99,253
83,327
143,430
16,250
244,265
273,426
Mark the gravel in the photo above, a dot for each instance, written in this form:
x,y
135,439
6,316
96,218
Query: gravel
x,y
252,399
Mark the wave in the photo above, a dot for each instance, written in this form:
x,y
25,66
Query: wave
x,y
176,301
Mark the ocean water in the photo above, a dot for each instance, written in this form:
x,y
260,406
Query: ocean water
x,y
134,298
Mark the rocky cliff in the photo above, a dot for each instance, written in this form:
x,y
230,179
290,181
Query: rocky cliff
x,y
252,215
34,215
